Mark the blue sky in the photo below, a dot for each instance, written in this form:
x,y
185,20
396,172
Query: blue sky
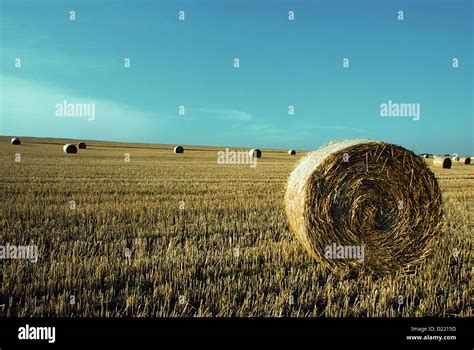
x,y
282,63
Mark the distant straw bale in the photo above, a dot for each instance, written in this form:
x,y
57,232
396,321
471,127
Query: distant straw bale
x,y
255,152
69,148
442,162
179,149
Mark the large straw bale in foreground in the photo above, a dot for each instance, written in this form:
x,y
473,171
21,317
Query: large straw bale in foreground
x,y
369,194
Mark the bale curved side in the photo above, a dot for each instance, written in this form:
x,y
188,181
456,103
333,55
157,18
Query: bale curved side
x,y
376,196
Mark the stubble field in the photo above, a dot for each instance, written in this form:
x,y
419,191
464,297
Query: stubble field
x,y
180,235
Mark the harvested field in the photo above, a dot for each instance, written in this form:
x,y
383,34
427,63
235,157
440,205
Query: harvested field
x,y
161,235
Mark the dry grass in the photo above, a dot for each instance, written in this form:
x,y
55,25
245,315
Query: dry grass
x,y
229,252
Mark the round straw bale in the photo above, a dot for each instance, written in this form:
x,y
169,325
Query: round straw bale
x,y
16,141
465,160
291,152
255,152
368,195
442,162
82,145
69,148
178,149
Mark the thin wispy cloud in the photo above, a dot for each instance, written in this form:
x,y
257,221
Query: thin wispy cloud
x,y
218,114
335,127
30,107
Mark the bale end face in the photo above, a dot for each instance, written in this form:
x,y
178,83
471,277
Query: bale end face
x,y
291,152
82,145
15,141
178,149
465,160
